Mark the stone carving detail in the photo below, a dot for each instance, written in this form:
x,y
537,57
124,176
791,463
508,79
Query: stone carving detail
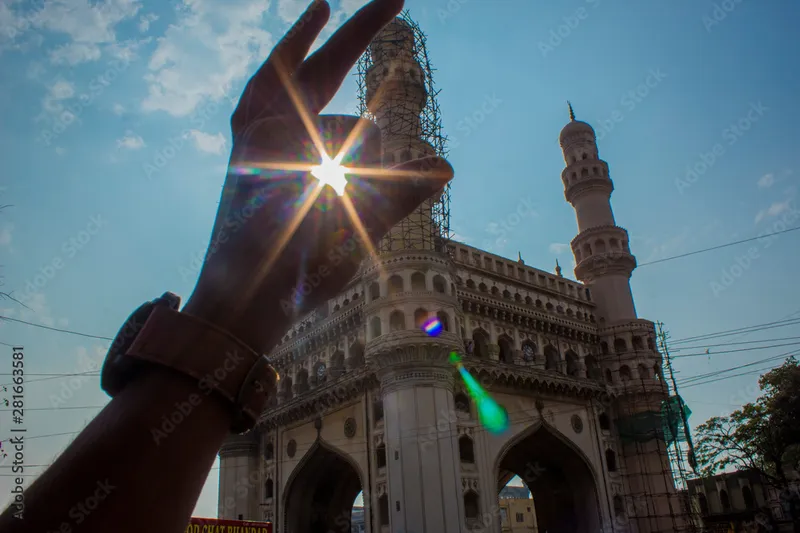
x,y
577,423
291,448
469,483
350,428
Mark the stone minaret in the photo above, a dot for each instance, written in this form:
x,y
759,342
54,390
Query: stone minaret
x,y
603,257
630,361
396,96
410,282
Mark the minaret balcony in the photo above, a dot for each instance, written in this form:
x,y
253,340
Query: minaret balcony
x,y
573,190
600,240
605,264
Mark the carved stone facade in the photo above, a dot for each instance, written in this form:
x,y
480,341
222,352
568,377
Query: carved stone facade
x,y
368,401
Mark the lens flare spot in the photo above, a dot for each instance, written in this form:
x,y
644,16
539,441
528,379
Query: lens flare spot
x,y
331,172
432,327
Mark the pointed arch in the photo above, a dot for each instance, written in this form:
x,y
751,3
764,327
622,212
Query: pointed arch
x,y
559,476
326,479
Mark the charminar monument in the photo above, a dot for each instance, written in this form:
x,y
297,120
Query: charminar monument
x,y
370,402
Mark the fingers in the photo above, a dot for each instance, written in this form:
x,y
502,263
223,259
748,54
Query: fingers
x,y
385,200
323,73
283,61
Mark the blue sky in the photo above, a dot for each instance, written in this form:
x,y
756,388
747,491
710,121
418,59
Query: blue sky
x,y
115,136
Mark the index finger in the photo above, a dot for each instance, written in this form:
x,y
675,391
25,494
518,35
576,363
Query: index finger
x,y
325,70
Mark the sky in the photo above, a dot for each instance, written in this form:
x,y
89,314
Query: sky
x,y
115,137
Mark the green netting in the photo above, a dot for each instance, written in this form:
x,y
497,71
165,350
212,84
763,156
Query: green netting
x,y
668,424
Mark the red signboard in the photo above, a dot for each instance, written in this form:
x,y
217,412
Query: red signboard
x,y
213,525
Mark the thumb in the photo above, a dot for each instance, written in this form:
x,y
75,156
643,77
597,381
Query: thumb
x,y
385,199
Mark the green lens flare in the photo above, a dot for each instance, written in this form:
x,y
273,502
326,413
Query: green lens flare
x,y
492,415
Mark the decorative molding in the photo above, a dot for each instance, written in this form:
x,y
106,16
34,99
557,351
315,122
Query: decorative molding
x,y
350,428
240,445
291,448
577,423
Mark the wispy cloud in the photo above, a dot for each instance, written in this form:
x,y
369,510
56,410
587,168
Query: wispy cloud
x,y
130,141
773,210
211,47
146,20
6,235
205,142
766,181
558,248
118,109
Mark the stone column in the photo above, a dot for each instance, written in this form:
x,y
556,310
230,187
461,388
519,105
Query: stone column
x,y
423,466
239,477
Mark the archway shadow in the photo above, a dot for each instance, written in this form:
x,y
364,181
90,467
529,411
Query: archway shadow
x,y
559,476
320,493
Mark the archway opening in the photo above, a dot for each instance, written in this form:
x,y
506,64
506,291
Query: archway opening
x,y
323,494
517,509
358,522
560,481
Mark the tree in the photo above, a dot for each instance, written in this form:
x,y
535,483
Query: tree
x,y
763,435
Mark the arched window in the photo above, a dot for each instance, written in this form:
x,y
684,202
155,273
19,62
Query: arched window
x,y
462,402
443,320
397,321
375,326
550,358
604,422
269,489
377,411
482,287
592,368
528,351
471,504
356,354
573,363
481,344
337,360
420,317
380,456
619,506
269,451
495,290
650,344
506,352
604,348
383,508
465,449
609,377
624,373
702,502
644,373
747,496
637,343
600,246
439,284
724,500
418,281
611,460
620,346
470,284
395,284
374,291
288,389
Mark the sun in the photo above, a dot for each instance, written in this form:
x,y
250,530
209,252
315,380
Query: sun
x,y
331,172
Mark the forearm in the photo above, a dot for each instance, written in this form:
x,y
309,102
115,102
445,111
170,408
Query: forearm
x,y
145,477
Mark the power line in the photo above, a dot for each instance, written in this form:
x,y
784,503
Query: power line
x,y
55,408
692,379
706,346
718,247
700,354
56,329
746,329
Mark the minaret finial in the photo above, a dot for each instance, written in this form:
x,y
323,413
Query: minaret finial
x,y
519,258
571,112
558,269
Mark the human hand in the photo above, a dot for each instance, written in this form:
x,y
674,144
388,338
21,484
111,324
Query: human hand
x,y
266,238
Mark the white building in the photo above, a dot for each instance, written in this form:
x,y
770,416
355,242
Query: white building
x,y
370,402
